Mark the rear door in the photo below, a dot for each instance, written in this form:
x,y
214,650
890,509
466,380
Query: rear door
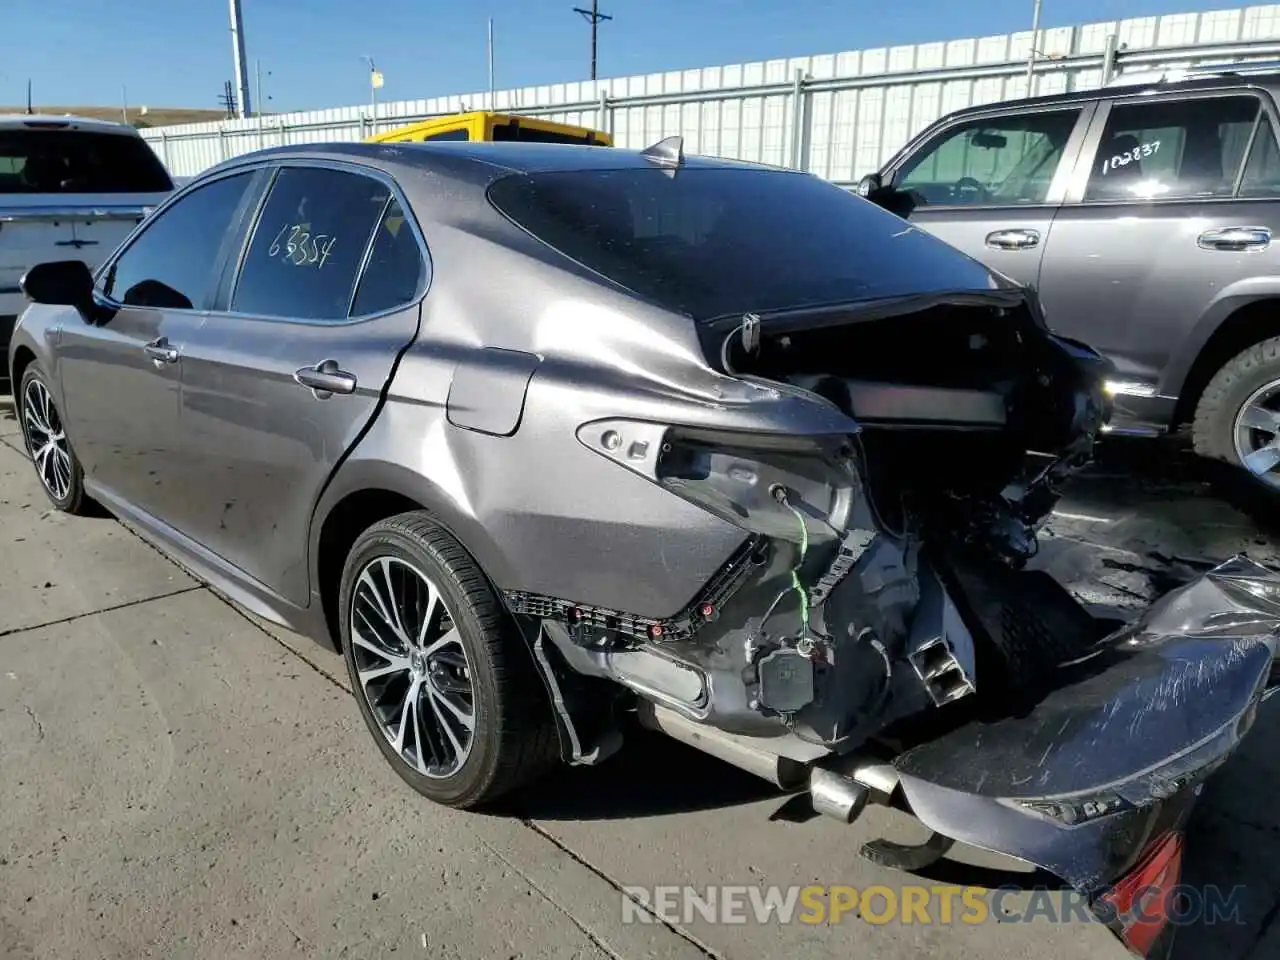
x,y
990,185
1148,236
282,379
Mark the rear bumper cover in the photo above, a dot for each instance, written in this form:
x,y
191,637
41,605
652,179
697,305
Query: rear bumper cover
x,y
1079,783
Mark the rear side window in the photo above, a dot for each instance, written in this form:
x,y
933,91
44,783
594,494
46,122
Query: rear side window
x,y
1262,171
309,244
990,161
396,271
78,161
170,264
1172,149
715,241
458,134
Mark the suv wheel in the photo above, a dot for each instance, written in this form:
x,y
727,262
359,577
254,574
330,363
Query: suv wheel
x,y
1238,417
444,682
47,444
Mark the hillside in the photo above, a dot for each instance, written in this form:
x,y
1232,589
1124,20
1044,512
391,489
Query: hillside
x,y
155,116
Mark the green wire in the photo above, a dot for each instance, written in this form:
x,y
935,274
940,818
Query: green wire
x,y
795,576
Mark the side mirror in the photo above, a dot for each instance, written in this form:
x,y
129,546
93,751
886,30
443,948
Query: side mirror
x,y
66,283
870,184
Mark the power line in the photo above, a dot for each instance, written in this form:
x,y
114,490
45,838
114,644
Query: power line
x,y
593,17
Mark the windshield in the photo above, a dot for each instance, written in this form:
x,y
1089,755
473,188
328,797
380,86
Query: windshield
x,y
709,242
77,161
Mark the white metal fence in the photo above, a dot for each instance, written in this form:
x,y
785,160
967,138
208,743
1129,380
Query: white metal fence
x,y
837,115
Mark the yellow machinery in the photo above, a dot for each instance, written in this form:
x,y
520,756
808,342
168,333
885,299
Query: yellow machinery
x,y
484,126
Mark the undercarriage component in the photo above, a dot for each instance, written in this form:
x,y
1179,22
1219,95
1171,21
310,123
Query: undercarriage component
x,y
784,761
786,680
908,857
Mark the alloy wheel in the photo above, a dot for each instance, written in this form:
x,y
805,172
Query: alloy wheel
x,y
1257,434
413,669
46,440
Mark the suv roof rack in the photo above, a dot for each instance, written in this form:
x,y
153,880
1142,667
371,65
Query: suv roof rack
x,y
1232,68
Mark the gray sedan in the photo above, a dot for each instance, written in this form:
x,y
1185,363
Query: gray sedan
x,y
539,436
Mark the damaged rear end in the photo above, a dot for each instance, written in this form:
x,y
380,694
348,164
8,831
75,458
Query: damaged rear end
x,y
878,635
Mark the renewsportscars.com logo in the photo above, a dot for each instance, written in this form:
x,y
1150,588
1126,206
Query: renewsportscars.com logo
x,y
909,904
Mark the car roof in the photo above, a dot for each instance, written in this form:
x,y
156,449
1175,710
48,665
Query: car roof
x,y
1119,89
491,159
51,121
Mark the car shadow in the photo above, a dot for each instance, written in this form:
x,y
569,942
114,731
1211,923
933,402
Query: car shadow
x,y
651,776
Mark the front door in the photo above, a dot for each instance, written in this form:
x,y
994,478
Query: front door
x,y
280,381
990,185
120,372
1157,225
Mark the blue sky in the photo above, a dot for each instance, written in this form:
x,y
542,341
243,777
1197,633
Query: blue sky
x,y
178,52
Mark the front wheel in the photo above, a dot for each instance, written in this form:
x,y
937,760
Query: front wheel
x,y
45,437
1238,417
445,684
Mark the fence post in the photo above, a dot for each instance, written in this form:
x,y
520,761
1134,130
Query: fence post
x,y
1109,57
222,144
798,127
164,147
605,117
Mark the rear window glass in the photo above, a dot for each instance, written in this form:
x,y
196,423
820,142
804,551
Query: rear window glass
x,y
517,132
77,161
710,242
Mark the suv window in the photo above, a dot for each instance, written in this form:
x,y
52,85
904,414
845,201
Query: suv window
x,y
170,264
503,132
1172,149
458,134
990,161
394,274
309,243
1262,172
78,161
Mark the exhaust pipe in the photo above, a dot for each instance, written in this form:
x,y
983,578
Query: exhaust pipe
x,y
746,753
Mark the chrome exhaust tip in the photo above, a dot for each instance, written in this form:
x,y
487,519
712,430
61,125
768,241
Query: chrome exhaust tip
x,y
835,795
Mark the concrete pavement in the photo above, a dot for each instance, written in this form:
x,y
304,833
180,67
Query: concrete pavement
x,y
180,780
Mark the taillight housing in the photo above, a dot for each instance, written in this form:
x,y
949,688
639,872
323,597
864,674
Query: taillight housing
x,y
766,484
1138,906
789,486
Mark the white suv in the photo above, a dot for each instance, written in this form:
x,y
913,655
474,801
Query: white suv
x,y
70,189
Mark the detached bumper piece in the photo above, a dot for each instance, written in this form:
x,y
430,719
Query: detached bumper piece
x,y
1094,781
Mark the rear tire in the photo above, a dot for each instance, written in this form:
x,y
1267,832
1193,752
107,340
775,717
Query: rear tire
x,y
1237,420
44,435
468,658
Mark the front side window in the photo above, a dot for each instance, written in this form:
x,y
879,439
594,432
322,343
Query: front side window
x,y
309,243
990,161
170,264
1172,149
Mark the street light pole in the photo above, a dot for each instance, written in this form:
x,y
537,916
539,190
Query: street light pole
x,y
373,95
1035,39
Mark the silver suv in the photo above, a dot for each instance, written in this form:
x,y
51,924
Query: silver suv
x,y
1144,215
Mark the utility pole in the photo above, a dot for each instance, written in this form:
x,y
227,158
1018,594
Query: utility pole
x,y
594,17
1035,38
237,53
124,104
375,81
491,94
257,88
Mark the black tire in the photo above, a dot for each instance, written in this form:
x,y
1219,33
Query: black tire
x,y
514,736
1230,389
74,500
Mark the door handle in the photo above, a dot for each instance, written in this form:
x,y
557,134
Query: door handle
x,y
1021,239
325,379
1235,238
160,352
